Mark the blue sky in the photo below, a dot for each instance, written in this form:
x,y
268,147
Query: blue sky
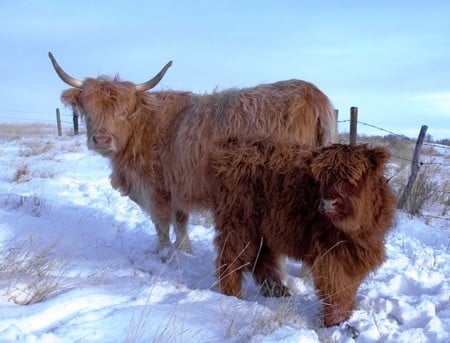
x,y
389,58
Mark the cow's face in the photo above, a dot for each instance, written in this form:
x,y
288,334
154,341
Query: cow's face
x,y
108,107
347,176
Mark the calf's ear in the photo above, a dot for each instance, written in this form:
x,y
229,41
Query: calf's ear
x,y
306,156
71,97
378,158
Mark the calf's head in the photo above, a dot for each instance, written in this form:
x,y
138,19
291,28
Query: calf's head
x,y
107,106
349,179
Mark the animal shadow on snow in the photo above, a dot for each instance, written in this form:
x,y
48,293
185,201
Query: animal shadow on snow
x,y
90,239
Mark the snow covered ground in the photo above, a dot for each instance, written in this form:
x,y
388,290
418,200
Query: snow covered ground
x,y
78,264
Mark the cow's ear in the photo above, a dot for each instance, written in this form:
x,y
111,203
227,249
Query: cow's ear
x,y
71,97
378,158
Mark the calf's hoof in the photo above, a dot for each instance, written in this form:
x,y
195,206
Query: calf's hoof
x,y
334,317
274,288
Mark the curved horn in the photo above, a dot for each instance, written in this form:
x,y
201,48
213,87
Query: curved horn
x,y
63,75
142,87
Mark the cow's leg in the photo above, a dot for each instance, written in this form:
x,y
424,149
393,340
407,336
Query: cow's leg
x,y
270,272
158,205
337,290
180,224
233,258
164,248
162,231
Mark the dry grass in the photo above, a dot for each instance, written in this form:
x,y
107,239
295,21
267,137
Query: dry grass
x,y
10,132
402,149
22,174
28,275
424,192
171,325
285,314
35,140
36,147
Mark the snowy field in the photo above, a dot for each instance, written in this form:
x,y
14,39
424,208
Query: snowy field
x,y
78,264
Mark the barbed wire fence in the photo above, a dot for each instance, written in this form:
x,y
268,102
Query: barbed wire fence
x,y
405,138
35,117
63,118
400,136
416,163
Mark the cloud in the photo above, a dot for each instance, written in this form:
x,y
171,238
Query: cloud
x,y
439,102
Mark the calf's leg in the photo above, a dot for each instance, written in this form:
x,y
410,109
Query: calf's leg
x,y
233,258
270,272
337,290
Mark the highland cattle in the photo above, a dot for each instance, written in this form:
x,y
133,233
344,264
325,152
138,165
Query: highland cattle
x,y
157,141
330,207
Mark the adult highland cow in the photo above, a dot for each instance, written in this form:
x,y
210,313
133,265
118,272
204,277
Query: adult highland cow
x,y
330,207
157,141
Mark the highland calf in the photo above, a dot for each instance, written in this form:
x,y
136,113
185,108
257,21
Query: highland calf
x,y
157,141
329,207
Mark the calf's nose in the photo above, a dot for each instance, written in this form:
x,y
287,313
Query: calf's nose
x,y
328,205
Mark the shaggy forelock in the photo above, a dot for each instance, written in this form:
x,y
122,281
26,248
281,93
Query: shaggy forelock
x,y
341,162
103,98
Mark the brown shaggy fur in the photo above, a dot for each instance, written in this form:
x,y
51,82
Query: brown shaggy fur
x,y
157,141
329,207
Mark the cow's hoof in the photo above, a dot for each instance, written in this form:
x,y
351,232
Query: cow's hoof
x,y
166,253
184,246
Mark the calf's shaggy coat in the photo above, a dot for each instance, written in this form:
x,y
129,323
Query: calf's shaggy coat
x,y
329,207
157,141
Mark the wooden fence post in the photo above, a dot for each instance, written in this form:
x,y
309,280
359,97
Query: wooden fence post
x,y
414,169
75,122
58,122
353,124
336,117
